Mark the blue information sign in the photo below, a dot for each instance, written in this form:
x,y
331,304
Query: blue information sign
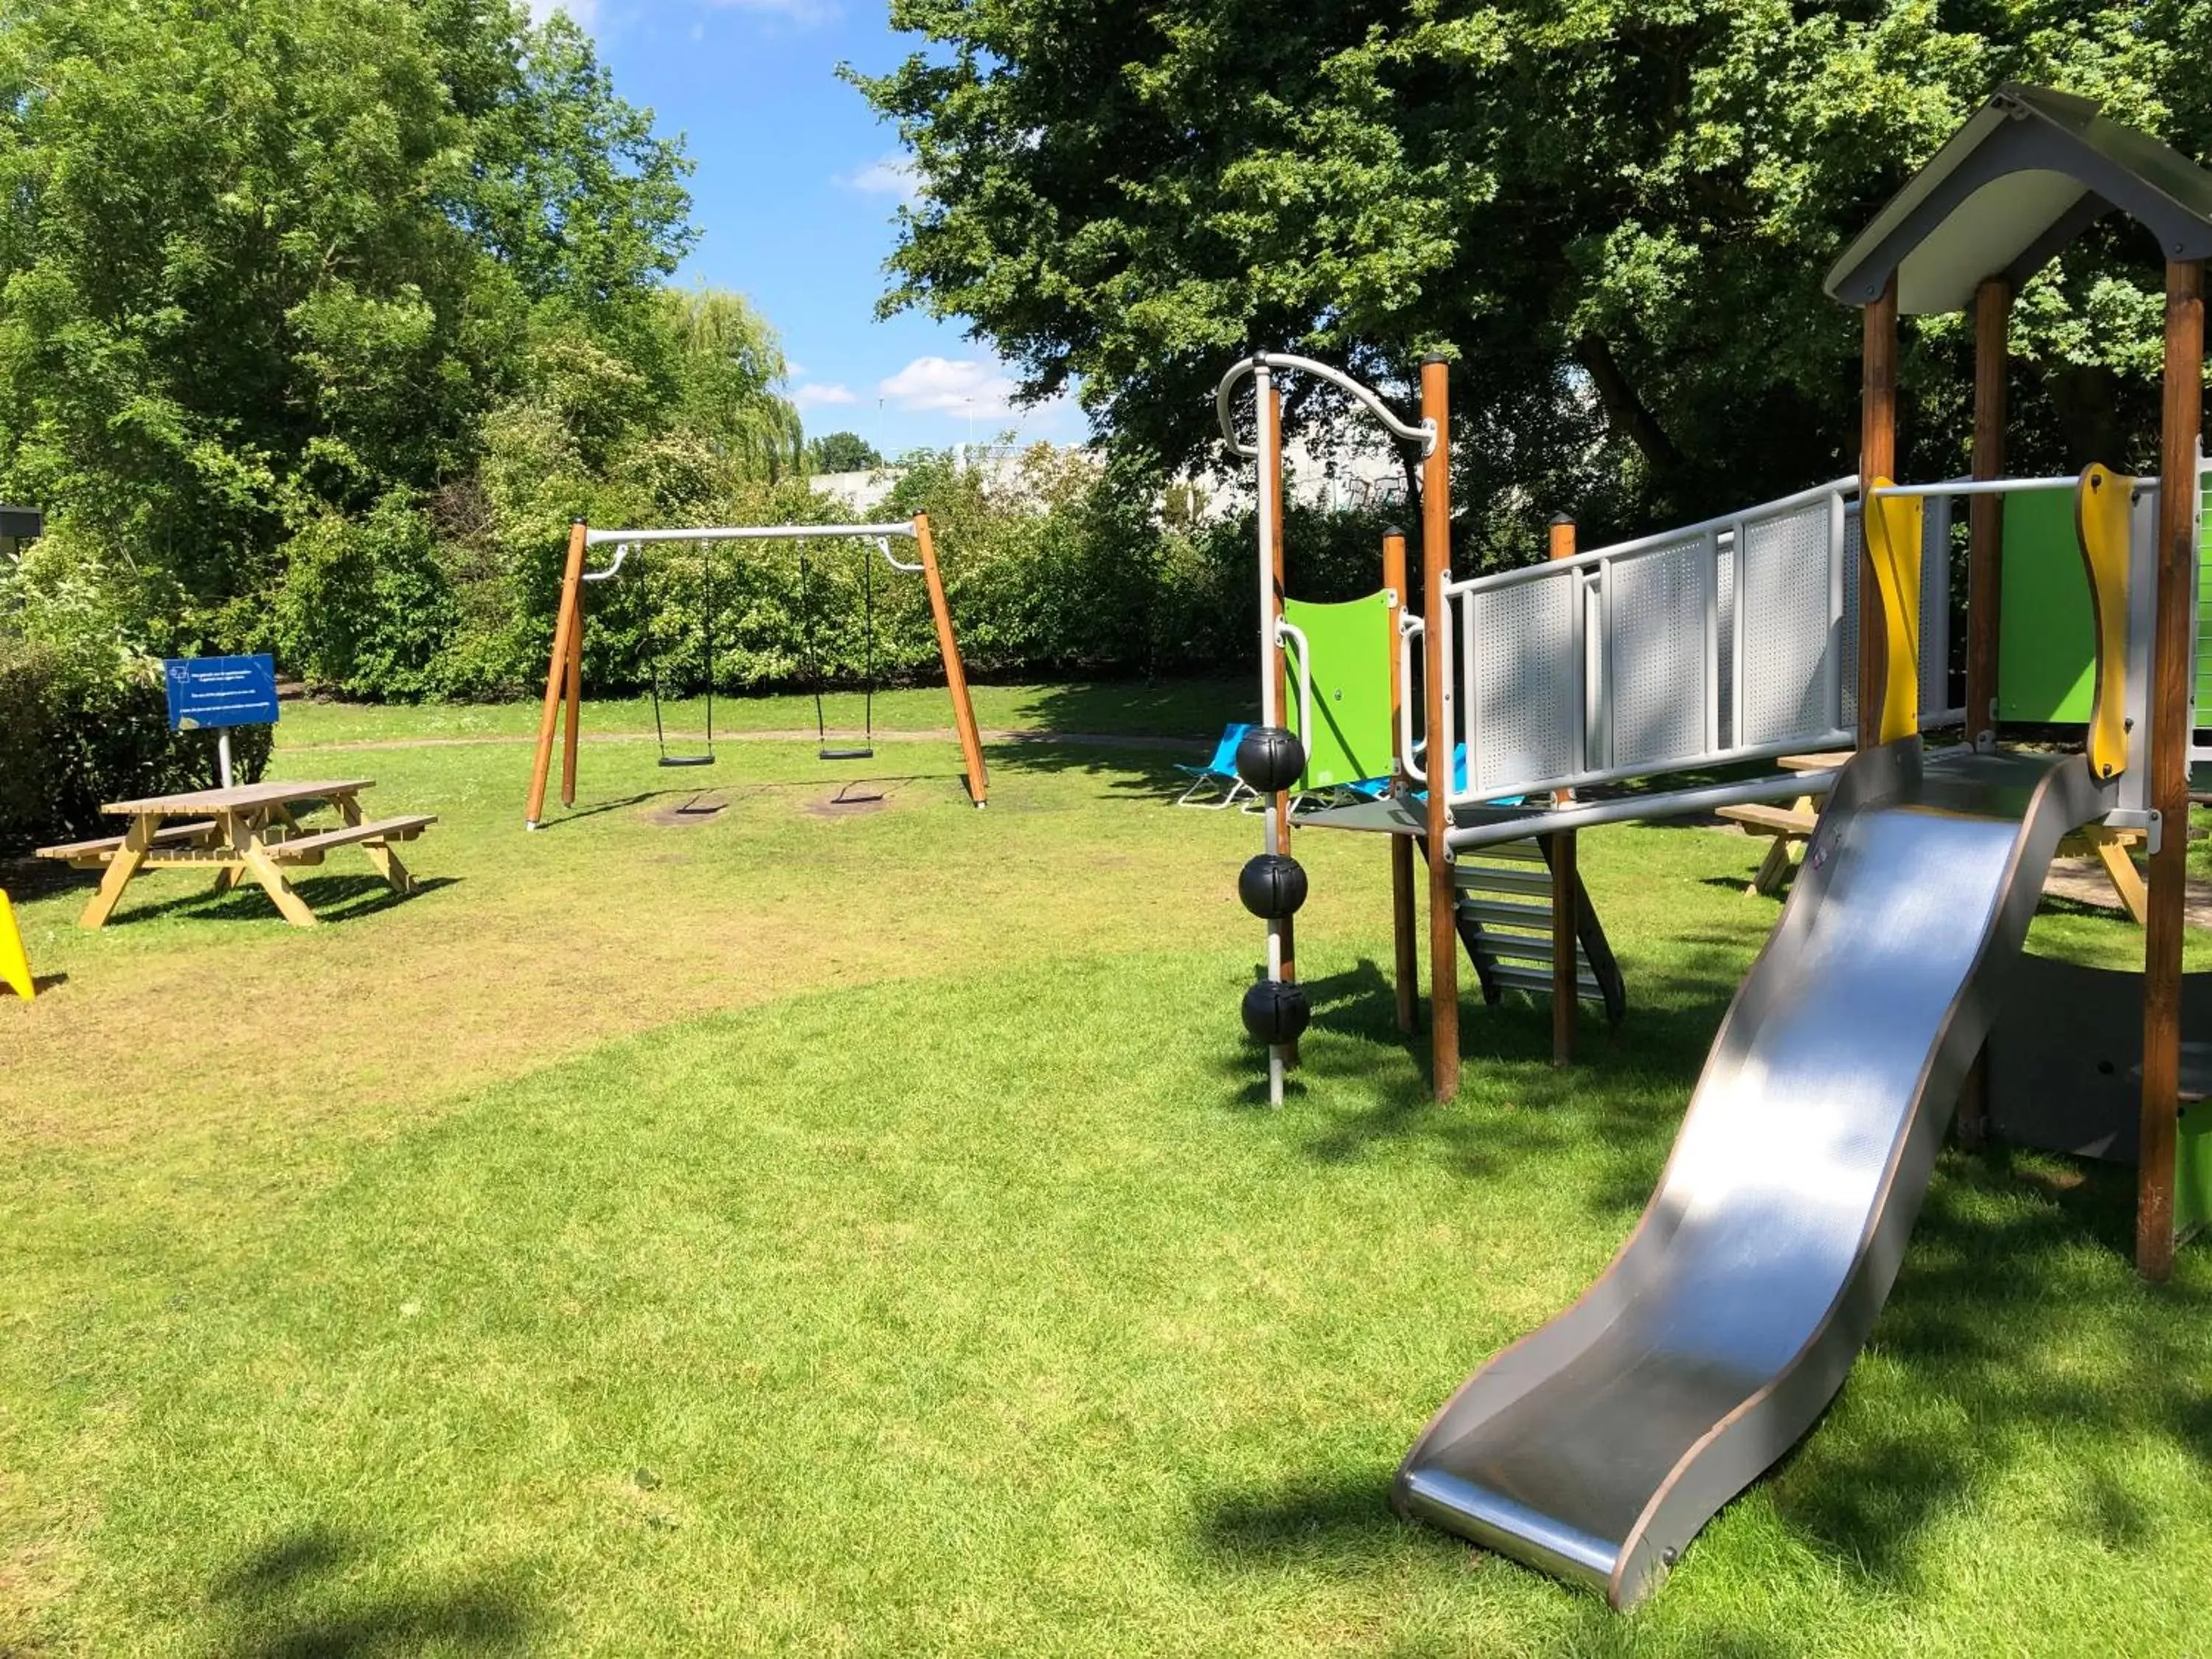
x,y
215,692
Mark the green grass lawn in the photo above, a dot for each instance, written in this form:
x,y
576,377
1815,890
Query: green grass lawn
x,y
800,1230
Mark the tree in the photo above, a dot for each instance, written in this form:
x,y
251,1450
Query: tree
x,y
1613,214
843,452
730,364
267,259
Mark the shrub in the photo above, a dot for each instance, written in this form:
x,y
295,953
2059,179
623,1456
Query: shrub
x,y
71,738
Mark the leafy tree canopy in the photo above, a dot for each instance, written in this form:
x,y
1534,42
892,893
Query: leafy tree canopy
x,y
267,259
1613,214
842,452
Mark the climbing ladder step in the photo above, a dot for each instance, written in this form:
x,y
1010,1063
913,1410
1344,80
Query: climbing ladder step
x,y
1499,912
1534,879
1513,977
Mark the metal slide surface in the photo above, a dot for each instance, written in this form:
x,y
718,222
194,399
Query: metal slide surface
x,y
1597,1446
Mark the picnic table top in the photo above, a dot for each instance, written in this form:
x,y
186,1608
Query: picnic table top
x,y
238,797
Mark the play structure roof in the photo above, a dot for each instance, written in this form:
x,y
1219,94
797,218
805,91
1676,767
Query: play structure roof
x,y
2030,171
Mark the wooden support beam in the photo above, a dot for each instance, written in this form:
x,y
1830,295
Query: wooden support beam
x,y
2174,637
956,672
1443,896
1566,993
1407,956
1877,458
572,586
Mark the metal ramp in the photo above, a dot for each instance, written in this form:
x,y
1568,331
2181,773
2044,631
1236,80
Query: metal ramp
x,y
1504,915
1598,1445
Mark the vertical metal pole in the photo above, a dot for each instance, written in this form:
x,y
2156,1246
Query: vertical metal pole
x,y
1443,893
222,756
2174,637
1877,458
1407,956
1288,970
1984,594
1566,988
1270,506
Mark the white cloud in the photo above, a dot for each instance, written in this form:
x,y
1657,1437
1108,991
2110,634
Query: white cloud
x,y
813,396
887,175
798,11
586,13
948,386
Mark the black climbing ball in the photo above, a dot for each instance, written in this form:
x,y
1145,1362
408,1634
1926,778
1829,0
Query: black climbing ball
x,y
1269,759
1273,886
1276,1012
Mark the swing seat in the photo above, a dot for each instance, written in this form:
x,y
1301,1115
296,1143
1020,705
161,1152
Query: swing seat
x,y
687,760
845,754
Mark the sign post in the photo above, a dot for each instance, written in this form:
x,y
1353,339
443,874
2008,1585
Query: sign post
x,y
216,693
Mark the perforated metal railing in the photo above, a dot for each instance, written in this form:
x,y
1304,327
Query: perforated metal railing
x,y
1733,640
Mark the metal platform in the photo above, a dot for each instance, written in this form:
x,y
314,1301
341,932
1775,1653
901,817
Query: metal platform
x,y
1597,1447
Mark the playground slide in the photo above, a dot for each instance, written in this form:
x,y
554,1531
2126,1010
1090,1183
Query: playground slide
x,y
1597,1446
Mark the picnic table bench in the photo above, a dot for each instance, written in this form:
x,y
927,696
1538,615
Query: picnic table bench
x,y
248,830
1792,827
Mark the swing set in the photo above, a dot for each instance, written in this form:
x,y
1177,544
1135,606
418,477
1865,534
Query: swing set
x,y
564,677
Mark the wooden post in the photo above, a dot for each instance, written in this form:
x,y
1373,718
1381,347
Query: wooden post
x,y
1566,994
572,586
1877,458
956,674
1407,956
576,701
1443,893
2174,633
1984,594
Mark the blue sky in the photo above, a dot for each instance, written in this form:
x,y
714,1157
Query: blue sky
x,y
794,194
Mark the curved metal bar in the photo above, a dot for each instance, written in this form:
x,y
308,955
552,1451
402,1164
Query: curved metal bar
x,y
883,546
1409,625
1290,634
1422,432
622,552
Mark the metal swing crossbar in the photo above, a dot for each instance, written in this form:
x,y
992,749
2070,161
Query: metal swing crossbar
x,y
622,540
564,678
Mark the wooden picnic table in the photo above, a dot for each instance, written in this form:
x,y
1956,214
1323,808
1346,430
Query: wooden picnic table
x,y
1792,826
247,830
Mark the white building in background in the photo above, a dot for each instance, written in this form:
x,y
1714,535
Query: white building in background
x,y
1342,476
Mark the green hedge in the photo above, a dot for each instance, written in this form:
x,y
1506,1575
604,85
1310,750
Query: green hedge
x,y
70,740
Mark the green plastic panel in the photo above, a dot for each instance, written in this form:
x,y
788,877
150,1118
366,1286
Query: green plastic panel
x,y
2204,607
1351,645
2193,1183
2046,652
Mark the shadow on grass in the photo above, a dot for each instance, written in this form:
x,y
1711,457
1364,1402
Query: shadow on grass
x,y
1302,1518
333,898
2011,1277
2016,1334
290,1600
1618,1109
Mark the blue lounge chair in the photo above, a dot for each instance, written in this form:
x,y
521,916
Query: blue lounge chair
x,y
1217,774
